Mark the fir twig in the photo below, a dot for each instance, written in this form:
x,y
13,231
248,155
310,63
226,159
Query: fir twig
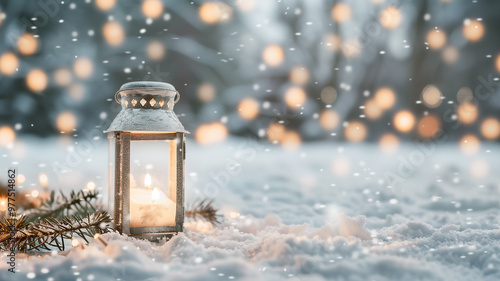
x,y
204,210
50,232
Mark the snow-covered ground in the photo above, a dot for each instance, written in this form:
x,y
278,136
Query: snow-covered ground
x,y
327,211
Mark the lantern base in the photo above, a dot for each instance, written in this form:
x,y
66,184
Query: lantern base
x,y
154,237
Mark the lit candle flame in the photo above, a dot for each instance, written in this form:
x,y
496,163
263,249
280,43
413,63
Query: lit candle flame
x,y
147,181
155,195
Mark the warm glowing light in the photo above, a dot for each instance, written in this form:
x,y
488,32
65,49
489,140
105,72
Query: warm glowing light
x,y
291,140
27,44
385,98
355,131
328,95
7,136
105,4
43,180
372,110
83,68
473,30
66,122
390,17
273,55
404,121
467,113
75,242
497,63
3,205
76,91
91,185
20,179
275,132
450,54
332,42
211,133
62,77
36,80
341,12
113,33
350,47
299,75
147,181
329,119
206,92
428,126
248,108
35,193
431,96
245,5
341,166
469,144
389,143
436,39
464,95
155,195
152,8
295,97
233,214
479,168
155,50
212,12
8,63
490,128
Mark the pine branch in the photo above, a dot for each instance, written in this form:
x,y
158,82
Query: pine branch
x,y
79,204
204,210
50,232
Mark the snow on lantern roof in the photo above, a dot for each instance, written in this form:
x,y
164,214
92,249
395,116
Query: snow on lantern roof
x,y
147,107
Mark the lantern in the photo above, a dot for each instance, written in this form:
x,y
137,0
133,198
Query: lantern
x,y
146,166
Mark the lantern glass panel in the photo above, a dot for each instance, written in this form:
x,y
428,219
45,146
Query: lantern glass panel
x,y
153,183
111,174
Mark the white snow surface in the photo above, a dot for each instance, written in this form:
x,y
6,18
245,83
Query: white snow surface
x,y
291,216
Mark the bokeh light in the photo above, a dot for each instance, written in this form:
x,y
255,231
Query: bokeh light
x,y
211,133
206,92
329,119
389,143
35,193
76,91
83,68
152,8
43,179
341,166
450,54
404,121
332,42
273,55
113,33
213,12
436,39
295,97
105,5
469,144
428,126
245,5
328,95
248,108
7,136
351,47
155,50
20,179
490,128
90,185
431,96
299,75
473,30
355,131
479,168
467,113
66,122
36,80
62,77
385,98
372,110
341,12
390,17
291,140
27,44
464,95
497,62
8,63
275,132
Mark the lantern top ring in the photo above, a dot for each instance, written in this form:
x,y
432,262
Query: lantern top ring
x,y
147,85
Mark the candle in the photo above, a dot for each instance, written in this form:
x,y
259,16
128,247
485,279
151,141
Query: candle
x,y
150,206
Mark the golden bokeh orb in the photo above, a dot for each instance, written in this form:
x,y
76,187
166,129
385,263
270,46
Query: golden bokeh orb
x,y
113,33
275,132
390,17
469,144
211,133
473,30
291,140
36,80
372,110
428,126
404,121
497,62
355,131
209,12
450,54
66,122
299,75
7,136
341,12
206,92
328,95
389,143
329,119
467,112
332,42
295,97
27,44
385,98
83,68
273,55
248,108
351,47
8,63
62,77
152,8
245,5
431,96
490,128
105,5
155,50
436,39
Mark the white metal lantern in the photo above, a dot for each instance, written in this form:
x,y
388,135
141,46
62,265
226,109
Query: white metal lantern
x,y
146,168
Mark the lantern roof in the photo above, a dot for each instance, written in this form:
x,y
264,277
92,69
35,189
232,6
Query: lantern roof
x,y
147,107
